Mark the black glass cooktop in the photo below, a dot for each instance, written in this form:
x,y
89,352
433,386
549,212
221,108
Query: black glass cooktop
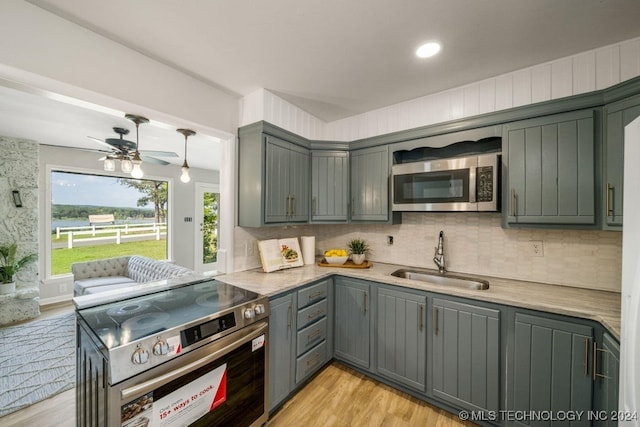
x,y
122,322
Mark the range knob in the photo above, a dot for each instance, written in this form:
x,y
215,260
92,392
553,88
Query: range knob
x,y
160,348
249,313
259,309
140,356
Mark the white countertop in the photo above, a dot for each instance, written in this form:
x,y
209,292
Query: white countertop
x,y
601,306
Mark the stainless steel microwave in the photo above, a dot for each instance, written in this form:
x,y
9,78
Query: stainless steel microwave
x,y
454,184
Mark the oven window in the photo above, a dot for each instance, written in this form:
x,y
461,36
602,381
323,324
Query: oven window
x,y
432,187
233,386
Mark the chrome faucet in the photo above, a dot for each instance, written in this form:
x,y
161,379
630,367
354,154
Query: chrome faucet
x,y
438,257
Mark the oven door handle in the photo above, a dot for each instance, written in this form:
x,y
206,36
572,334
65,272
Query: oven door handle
x,y
228,344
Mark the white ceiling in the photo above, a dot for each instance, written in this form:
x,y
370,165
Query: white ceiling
x,y
332,58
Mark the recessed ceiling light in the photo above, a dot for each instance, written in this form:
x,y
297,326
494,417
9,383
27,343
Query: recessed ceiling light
x,y
428,49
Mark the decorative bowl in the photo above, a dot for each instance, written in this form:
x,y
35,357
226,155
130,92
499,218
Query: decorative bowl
x,y
336,259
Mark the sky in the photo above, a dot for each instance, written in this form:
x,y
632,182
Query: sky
x,y
78,189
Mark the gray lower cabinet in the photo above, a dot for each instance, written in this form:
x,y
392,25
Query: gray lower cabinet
x,y
466,355
370,184
281,348
313,327
606,379
329,186
551,368
618,115
549,168
402,337
352,342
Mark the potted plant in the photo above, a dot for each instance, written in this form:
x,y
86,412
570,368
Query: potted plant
x,y
9,266
359,248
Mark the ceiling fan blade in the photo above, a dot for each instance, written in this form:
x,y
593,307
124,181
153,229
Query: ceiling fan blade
x,y
99,141
158,153
153,160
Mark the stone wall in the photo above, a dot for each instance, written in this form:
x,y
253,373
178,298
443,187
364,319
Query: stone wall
x,y
19,171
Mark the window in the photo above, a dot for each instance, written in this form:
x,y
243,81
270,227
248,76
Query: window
x,y
96,216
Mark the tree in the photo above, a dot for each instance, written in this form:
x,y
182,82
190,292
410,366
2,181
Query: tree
x,y
210,227
155,192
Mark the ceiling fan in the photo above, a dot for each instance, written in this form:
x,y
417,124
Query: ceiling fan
x,y
127,151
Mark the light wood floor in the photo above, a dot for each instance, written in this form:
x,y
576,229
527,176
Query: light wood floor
x,y
338,396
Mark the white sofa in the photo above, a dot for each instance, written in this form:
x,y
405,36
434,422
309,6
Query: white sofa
x,y
121,272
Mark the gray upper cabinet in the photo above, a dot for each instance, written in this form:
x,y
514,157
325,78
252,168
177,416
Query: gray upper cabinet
x,y
273,179
286,182
329,186
618,115
466,355
551,367
352,328
549,170
402,336
370,184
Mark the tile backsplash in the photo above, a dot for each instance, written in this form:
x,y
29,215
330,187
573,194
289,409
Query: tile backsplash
x,y
474,243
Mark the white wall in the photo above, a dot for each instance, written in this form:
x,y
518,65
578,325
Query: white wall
x,y
586,72
39,49
181,204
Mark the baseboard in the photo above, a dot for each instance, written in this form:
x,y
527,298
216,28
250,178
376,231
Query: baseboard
x,y
59,300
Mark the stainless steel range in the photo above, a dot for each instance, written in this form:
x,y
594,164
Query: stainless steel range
x,y
194,355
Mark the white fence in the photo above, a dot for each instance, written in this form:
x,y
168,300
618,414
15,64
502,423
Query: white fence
x,y
122,232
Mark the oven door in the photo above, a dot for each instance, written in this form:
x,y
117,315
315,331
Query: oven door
x,y
437,185
221,383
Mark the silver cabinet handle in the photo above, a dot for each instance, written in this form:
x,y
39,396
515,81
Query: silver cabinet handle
x,y
514,202
290,317
313,206
364,302
314,335
595,373
293,204
420,314
610,208
586,356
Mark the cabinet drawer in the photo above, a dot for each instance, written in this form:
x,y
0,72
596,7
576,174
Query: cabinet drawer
x,y
311,362
312,313
312,294
311,335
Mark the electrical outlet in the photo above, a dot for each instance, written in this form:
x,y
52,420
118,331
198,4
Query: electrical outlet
x,y
535,248
62,288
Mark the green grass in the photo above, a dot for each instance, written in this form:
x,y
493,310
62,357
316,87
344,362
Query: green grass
x,y
61,259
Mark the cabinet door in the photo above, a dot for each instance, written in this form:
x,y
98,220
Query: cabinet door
x,y
466,355
402,336
277,202
551,367
329,186
299,184
281,349
370,184
607,381
550,164
618,116
352,321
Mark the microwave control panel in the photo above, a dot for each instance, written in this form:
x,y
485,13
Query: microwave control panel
x,y
484,185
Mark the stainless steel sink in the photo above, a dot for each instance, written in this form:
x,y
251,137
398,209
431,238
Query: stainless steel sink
x,y
446,279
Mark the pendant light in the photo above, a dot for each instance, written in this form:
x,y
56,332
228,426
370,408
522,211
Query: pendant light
x,y
136,171
109,164
185,166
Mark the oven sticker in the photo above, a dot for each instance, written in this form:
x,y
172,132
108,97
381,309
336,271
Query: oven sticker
x,y
175,346
192,401
257,343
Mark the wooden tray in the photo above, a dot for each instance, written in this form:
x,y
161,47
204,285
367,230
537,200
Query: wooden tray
x,y
348,264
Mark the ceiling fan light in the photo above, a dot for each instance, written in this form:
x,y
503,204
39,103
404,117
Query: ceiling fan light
x,y
109,164
126,165
137,172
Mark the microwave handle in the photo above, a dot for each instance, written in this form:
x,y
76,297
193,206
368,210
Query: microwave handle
x,y
472,184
